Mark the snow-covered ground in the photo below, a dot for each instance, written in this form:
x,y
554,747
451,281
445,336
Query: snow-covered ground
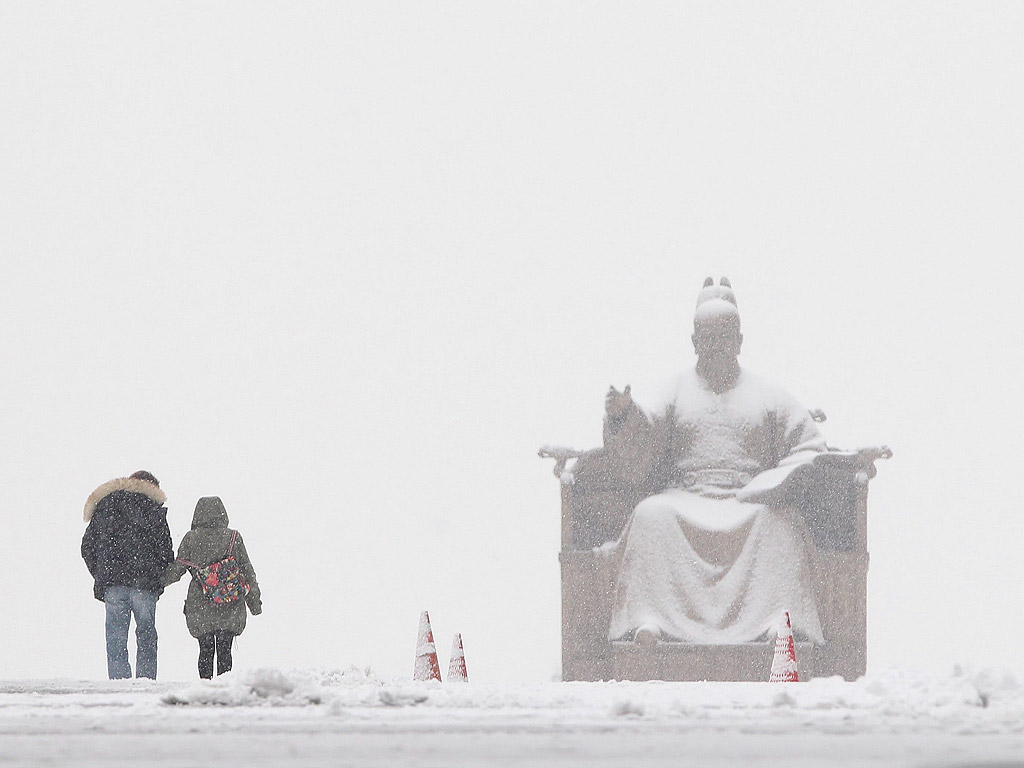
x,y
266,717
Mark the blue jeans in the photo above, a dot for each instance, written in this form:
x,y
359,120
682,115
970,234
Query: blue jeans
x,y
121,603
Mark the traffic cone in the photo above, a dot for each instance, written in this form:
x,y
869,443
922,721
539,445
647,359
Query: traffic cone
x,y
784,662
426,655
457,664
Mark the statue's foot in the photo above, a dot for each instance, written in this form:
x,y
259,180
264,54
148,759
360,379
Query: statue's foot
x,y
647,635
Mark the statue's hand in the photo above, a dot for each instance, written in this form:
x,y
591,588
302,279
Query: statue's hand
x,y
874,453
617,403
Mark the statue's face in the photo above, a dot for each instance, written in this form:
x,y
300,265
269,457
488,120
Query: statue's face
x,y
718,338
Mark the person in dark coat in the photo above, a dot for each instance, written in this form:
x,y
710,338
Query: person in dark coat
x,y
214,625
127,547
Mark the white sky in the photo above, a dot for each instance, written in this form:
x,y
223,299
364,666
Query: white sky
x,y
348,266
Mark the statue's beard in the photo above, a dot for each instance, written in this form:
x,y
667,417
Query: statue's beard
x,y
718,359
719,369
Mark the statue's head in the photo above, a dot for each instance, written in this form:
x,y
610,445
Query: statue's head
x,y
716,323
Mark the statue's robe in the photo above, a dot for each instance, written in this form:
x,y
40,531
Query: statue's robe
x,y
714,553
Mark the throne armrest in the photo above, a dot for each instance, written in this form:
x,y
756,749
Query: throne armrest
x,y
596,502
833,500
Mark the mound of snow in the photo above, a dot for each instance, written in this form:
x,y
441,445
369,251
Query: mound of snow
x,y
997,686
896,701
256,687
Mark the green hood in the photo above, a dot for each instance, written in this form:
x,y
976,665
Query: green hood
x,y
210,513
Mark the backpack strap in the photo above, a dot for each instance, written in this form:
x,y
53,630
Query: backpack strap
x,y
230,548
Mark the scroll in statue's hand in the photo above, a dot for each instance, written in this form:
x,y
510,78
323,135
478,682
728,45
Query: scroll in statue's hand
x,y
617,403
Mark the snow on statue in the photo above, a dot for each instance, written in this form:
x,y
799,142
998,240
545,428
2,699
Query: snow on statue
x,y
713,554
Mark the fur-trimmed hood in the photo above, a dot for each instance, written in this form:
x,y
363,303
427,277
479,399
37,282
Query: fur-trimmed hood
x,y
130,484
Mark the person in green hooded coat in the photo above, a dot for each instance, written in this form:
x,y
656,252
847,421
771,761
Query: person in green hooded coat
x,y
215,625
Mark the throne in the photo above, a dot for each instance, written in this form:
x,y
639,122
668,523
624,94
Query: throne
x,y
595,510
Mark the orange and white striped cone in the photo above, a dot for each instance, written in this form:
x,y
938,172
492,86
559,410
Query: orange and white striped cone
x,y
426,655
457,663
784,662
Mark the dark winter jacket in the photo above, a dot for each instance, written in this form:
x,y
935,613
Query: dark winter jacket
x,y
207,543
127,542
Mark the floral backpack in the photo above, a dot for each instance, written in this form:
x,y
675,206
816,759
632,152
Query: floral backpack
x,y
222,581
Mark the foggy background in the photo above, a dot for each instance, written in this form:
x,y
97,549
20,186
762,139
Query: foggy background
x,y
348,266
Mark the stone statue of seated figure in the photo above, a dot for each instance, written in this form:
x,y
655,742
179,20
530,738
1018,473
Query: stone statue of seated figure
x,y
717,477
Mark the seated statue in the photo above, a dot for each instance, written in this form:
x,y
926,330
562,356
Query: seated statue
x,y
716,549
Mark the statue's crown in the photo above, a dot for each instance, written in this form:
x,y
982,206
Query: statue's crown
x,y
721,291
716,303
